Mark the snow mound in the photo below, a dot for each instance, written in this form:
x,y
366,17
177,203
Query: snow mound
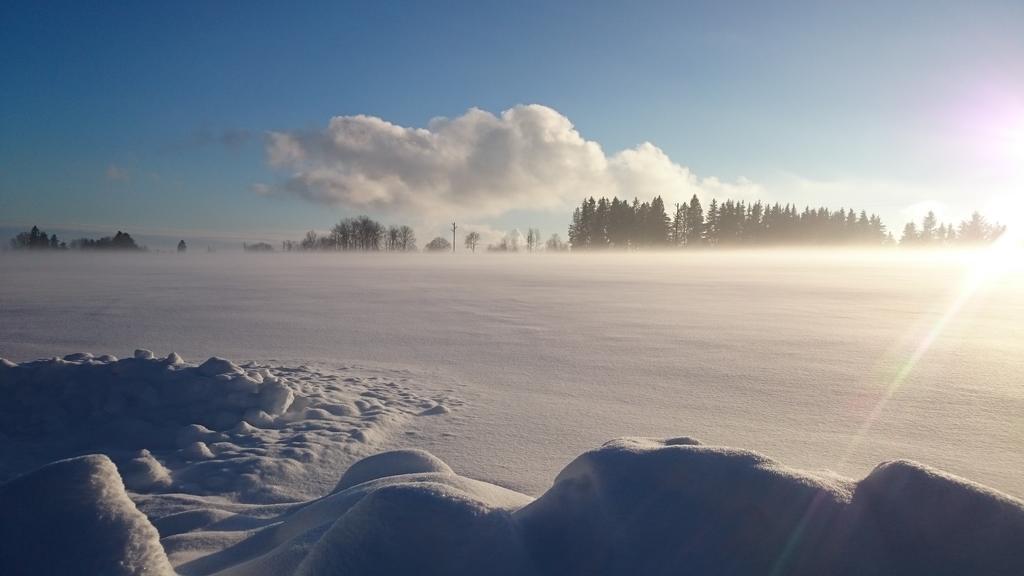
x,y
329,529
393,463
74,517
251,433
909,518
647,507
632,507
640,506
144,473
418,528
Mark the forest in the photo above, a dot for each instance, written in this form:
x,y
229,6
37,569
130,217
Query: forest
x,y
619,224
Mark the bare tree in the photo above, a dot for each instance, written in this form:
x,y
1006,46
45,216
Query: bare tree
x,y
369,233
342,234
406,239
472,239
393,236
311,241
358,234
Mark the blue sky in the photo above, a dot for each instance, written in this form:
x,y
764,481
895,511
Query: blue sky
x,y
155,116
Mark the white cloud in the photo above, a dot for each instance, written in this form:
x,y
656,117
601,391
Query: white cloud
x,y
477,165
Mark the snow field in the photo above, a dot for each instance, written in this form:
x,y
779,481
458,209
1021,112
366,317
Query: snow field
x,y
793,357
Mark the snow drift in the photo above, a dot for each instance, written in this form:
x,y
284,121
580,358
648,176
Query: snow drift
x,y
137,402
74,517
632,507
256,433
639,506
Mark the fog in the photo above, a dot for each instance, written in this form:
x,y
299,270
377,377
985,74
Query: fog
x,y
824,360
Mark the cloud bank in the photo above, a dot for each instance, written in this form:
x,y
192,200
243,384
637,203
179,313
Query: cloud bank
x,y
529,157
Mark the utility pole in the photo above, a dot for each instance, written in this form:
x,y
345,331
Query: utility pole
x,y
453,237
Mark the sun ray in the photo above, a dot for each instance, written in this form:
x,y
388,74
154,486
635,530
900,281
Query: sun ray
x,y
986,266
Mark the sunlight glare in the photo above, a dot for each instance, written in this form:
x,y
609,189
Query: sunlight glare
x,y
985,266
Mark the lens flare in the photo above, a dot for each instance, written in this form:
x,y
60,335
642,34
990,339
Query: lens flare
x,y
985,266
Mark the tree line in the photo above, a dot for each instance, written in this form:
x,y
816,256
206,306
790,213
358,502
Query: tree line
x,y
36,239
359,234
616,224
975,230
619,224
364,234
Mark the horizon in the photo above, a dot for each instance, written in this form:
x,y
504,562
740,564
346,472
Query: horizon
x,y
166,240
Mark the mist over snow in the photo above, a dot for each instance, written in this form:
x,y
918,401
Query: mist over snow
x,y
478,164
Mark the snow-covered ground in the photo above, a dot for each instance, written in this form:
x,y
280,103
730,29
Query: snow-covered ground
x,y
254,433
796,355
507,368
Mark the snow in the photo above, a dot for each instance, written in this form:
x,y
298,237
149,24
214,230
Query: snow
x,y
653,507
144,473
74,517
411,415
645,506
791,354
257,434
392,463
633,506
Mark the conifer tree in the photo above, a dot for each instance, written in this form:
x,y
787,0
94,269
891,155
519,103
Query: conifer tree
x,y
712,230
658,223
928,231
694,223
679,225
910,235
